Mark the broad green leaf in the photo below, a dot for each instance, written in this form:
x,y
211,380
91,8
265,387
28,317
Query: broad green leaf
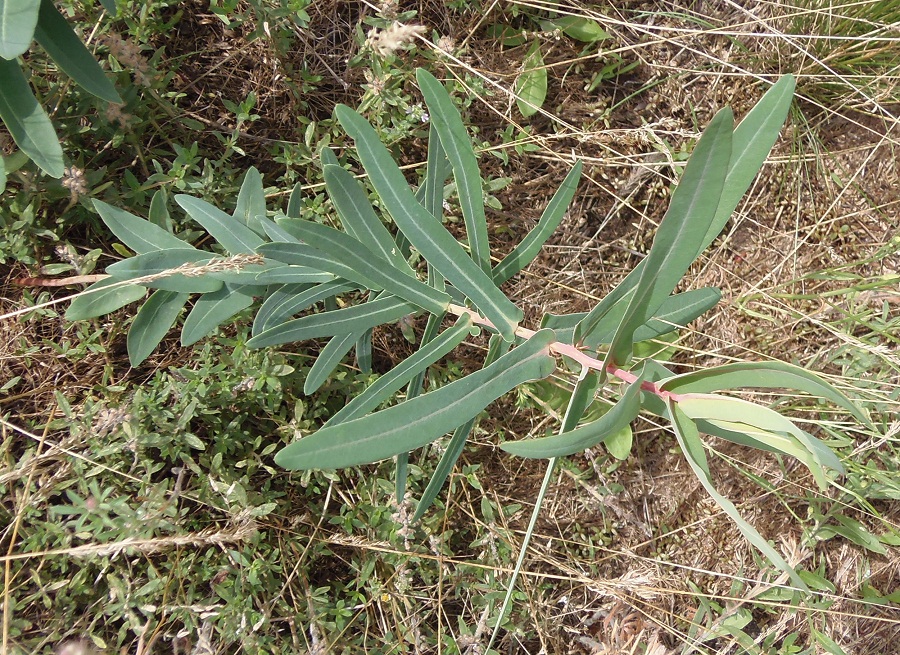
x,y
674,248
329,359
419,421
293,299
524,253
110,6
692,447
328,158
213,309
159,211
531,85
578,27
140,235
436,245
359,219
18,19
457,145
497,347
68,52
389,383
158,262
152,322
251,200
853,531
763,375
586,436
343,255
341,321
102,298
234,236
26,120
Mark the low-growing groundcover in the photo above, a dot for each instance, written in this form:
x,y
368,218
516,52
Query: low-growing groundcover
x,y
205,433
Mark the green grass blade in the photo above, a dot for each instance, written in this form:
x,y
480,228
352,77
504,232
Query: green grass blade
x,y
68,52
675,245
26,120
293,299
341,321
359,219
763,375
524,253
251,202
389,383
349,255
329,359
18,19
159,261
578,439
153,320
457,145
419,421
531,85
138,234
424,231
213,309
98,300
234,236
689,440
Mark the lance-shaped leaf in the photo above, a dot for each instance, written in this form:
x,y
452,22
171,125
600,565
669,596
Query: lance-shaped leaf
x,y
690,213
275,231
457,145
161,262
431,193
692,447
497,347
586,436
293,299
359,219
18,19
524,253
138,234
26,120
68,52
364,351
341,321
531,85
152,322
389,383
251,202
234,236
341,254
288,275
328,360
424,231
295,202
159,211
751,143
304,255
763,375
213,309
102,298
413,424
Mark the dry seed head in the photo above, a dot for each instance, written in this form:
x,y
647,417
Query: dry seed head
x,y
387,42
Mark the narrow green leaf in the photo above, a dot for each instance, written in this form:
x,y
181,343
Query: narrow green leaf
x,y
159,211
213,309
98,300
304,255
140,235
586,436
674,248
524,253
763,375
290,275
578,27
432,327
68,52
389,383
341,254
293,299
234,236
157,262
18,19
251,200
110,6
152,322
424,231
2,174
457,145
329,359
531,85
26,120
295,202
689,440
327,157
413,424
437,170
364,351
341,321
276,232
359,219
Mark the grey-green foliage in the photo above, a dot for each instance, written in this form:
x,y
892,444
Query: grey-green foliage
x,y
293,263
